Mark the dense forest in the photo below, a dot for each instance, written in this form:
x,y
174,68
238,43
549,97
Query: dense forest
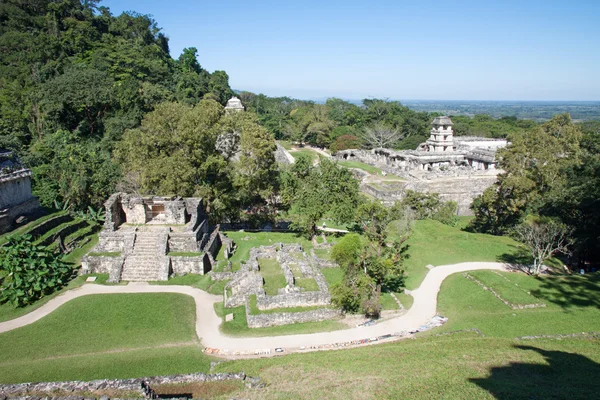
x,y
74,78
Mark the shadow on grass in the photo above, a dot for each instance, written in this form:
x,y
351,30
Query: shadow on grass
x,y
566,376
570,291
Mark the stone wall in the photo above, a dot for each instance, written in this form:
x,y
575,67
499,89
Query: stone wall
x,y
183,241
175,212
462,190
276,319
15,188
113,266
114,215
187,265
214,243
50,388
295,299
29,208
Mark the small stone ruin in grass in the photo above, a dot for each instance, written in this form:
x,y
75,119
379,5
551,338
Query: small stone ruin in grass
x,y
305,286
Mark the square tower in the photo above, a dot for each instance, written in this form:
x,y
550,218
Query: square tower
x,y
442,136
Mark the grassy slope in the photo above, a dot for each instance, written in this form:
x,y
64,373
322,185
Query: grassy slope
x,y
29,226
101,324
434,243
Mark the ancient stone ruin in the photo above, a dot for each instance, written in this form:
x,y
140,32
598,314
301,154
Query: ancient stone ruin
x,y
295,264
141,234
16,201
458,168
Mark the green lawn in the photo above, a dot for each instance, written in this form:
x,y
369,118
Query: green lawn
x,y
102,328
333,276
502,283
272,274
571,306
432,242
308,284
325,254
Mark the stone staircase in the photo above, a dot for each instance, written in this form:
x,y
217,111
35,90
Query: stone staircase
x,y
148,261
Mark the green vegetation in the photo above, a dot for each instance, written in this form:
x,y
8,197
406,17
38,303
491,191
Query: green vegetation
x,y
239,327
9,311
460,366
286,144
388,302
304,188
29,272
247,240
325,254
571,306
272,275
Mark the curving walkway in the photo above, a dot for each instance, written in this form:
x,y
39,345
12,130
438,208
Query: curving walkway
x,y
207,322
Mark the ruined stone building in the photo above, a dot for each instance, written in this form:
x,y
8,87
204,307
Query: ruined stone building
x,y
16,201
234,105
458,168
152,238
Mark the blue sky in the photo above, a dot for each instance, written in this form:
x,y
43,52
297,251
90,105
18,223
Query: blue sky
x,y
443,50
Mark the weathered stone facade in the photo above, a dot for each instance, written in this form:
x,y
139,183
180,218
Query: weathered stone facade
x,y
143,231
458,168
16,200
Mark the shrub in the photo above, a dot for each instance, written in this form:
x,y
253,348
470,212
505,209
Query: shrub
x,y
29,272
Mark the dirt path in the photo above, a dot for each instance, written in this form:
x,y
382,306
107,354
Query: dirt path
x,y
207,322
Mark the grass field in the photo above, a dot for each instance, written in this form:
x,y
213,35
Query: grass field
x,y
433,243
103,329
272,275
502,284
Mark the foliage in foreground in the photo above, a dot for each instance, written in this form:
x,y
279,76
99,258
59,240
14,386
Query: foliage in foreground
x,y
29,272
371,262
